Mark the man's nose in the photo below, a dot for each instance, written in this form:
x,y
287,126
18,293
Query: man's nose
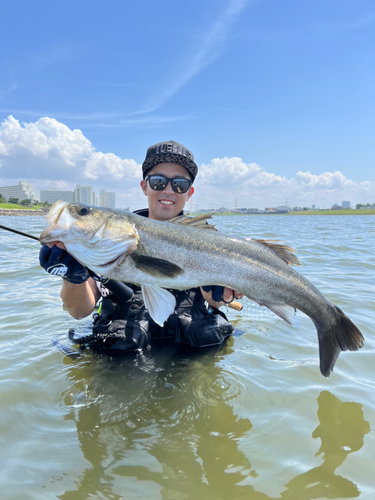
x,y
168,188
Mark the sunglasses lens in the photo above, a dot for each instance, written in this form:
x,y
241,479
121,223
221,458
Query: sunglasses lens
x,y
180,185
159,182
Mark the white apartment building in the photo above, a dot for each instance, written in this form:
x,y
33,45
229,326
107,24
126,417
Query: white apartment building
x,y
53,195
345,204
84,194
107,200
22,191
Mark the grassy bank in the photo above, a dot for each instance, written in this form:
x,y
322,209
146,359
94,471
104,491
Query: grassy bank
x,y
335,212
17,207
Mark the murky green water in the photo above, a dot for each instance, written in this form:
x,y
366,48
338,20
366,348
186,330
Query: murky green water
x,y
253,419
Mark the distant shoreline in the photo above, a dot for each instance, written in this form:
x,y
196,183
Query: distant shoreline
x,y
14,212
310,212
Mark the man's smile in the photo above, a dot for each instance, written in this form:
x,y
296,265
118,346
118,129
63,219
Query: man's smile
x,y
163,201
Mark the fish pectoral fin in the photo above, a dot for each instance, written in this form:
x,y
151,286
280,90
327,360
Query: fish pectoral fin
x,y
285,252
283,311
159,302
198,221
158,268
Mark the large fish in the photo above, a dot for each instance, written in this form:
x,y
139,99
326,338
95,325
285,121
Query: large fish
x,y
159,255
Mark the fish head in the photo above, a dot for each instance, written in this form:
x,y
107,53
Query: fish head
x,y
97,237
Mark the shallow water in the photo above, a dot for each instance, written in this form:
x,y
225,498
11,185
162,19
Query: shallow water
x,y
252,419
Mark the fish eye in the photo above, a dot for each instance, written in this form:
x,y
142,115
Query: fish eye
x,y
83,210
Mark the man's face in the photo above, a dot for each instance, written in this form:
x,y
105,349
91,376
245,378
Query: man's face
x,y
166,204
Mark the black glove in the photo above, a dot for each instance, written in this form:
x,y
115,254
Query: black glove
x,y
59,262
217,292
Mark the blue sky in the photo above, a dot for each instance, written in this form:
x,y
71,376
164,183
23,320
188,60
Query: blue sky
x,y
272,96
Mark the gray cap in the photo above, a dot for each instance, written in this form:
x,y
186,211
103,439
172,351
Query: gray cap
x,y
169,152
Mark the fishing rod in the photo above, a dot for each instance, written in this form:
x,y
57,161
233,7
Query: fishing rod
x,y
117,287
19,232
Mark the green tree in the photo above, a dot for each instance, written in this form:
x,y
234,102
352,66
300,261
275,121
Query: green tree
x,y
13,200
27,201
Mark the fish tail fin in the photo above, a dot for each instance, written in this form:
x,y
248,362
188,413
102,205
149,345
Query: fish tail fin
x,y
343,335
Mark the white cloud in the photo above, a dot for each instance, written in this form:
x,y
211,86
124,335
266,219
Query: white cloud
x,y
49,154
50,151
100,165
225,180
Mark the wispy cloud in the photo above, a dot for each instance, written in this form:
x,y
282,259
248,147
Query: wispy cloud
x,y
308,33
10,88
209,49
353,24
11,85
103,120
64,116
146,121
56,54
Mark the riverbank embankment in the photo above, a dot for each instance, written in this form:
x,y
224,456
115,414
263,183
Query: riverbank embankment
x,y
20,212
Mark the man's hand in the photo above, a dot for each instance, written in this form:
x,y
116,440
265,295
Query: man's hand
x,y
218,296
58,262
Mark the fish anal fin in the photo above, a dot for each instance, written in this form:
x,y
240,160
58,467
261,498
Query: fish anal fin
x,y
159,302
283,311
197,221
158,268
285,252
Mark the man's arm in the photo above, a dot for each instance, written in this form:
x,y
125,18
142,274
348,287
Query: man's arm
x,y
80,300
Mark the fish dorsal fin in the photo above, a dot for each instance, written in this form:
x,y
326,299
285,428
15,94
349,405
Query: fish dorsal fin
x,y
283,251
159,302
158,268
197,221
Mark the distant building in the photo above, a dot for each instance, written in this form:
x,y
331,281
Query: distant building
x,y
313,207
107,200
84,194
22,191
335,207
282,210
53,195
345,204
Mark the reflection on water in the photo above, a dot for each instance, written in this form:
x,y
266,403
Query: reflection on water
x,y
341,429
162,418
161,426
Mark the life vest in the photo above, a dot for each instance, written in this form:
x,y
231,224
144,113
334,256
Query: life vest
x,y
126,326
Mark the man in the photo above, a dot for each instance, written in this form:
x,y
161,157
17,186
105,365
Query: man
x,y
169,171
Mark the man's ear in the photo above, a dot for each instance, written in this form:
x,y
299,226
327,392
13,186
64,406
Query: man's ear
x,y
190,193
144,187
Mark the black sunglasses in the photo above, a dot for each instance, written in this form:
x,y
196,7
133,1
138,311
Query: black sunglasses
x,y
158,182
